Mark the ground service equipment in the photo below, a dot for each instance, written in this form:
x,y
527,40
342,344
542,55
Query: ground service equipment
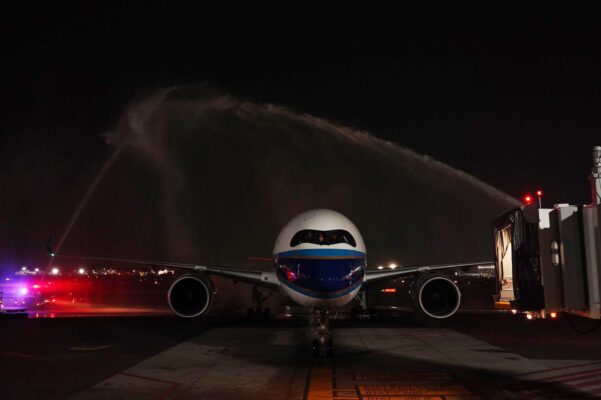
x,y
548,260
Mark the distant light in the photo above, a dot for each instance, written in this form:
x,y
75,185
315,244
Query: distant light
x,y
403,281
539,193
54,271
54,300
23,291
392,266
37,270
23,268
81,271
553,315
529,316
36,286
527,199
514,311
380,267
7,279
52,254
389,290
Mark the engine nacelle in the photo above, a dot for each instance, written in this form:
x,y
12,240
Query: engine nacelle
x,y
191,295
436,296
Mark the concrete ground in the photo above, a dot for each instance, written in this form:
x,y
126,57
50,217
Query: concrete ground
x,y
472,356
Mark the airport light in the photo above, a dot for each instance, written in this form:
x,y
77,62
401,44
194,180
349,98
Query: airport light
x,y
23,268
529,316
392,266
81,271
55,271
380,267
553,315
539,194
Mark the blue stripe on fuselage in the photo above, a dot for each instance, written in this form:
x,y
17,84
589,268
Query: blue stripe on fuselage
x,y
315,274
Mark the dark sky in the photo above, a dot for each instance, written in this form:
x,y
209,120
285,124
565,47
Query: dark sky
x,y
510,95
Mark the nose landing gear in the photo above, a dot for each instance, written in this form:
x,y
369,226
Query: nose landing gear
x,y
324,338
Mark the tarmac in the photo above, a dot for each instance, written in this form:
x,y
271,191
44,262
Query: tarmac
x,y
224,356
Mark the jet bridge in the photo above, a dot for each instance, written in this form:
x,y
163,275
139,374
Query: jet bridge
x,y
548,260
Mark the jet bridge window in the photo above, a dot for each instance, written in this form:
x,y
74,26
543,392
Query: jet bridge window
x,y
324,238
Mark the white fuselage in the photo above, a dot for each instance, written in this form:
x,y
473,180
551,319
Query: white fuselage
x,y
319,258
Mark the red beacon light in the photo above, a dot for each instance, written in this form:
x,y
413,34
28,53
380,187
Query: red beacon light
x,y
527,199
539,193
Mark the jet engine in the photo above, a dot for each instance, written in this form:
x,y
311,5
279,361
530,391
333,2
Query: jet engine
x,y
191,295
436,297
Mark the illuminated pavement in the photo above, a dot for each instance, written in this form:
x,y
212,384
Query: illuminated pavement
x,y
475,356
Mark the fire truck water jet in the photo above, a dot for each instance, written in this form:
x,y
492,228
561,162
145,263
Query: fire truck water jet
x,y
201,175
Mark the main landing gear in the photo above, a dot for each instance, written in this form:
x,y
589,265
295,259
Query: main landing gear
x,y
324,338
258,297
362,312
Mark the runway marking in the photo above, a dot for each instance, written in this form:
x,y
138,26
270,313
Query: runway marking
x,y
574,379
403,398
377,376
324,384
321,384
413,390
89,348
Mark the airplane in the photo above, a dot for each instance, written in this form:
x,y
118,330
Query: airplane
x,y
320,262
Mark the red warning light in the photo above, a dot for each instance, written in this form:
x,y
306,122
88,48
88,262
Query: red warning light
x,y
539,193
527,199
389,290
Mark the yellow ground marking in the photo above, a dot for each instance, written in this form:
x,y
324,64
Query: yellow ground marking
x,y
402,376
403,398
320,385
89,348
469,397
413,390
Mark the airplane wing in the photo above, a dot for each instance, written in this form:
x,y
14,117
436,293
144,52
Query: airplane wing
x,y
261,278
380,274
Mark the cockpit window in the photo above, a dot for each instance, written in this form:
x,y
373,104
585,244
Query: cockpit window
x,y
323,238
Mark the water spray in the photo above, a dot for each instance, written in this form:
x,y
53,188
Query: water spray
x,y
80,207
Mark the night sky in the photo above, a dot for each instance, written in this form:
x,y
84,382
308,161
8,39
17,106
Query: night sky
x,y
509,95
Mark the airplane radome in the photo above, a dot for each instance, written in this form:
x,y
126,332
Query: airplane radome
x,y
320,259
